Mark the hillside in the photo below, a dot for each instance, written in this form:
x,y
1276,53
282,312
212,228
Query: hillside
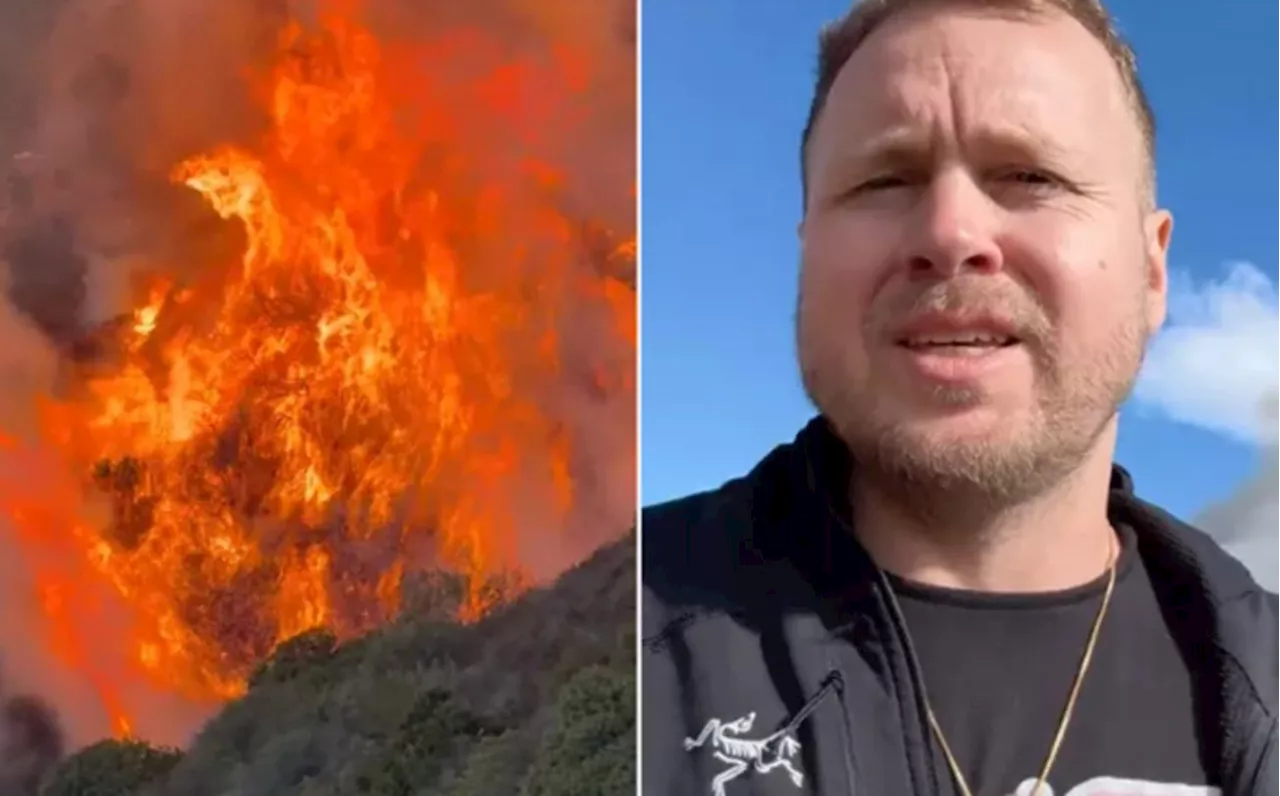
x,y
537,699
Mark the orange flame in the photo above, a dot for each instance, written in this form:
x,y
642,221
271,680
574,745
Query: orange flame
x,y
273,438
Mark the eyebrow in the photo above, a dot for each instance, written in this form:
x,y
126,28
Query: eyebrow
x,y
894,143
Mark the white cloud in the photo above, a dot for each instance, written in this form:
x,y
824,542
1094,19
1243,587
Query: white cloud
x,y
1217,364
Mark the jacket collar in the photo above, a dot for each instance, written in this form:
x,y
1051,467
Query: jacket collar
x,y
1181,550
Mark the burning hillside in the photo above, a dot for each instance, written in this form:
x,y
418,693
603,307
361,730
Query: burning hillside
x,y
379,336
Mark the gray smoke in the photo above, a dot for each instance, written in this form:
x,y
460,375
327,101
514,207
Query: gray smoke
x,y
1248,522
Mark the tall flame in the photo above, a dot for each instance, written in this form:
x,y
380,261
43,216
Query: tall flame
x,y
269,443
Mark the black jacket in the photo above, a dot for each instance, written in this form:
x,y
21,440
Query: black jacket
x,y
755,599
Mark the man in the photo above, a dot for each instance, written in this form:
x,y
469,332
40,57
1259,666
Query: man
x,y
943,585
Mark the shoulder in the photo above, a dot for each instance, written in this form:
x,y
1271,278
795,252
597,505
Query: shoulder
x,y
1205,586
689,549
1248,627
709,552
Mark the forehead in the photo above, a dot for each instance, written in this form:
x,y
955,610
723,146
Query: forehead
x,y
963,72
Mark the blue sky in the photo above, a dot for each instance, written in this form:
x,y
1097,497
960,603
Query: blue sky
x,y
725,89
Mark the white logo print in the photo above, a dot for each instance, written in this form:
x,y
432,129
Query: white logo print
x,y
738,753
1112,786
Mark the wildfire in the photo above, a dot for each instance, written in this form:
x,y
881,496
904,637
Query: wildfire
x,y
370,378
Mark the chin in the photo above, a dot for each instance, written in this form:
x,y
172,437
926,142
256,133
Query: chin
x,y
978,453
984,426
959,406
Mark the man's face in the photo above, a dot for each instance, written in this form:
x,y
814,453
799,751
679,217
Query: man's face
x,y
980,270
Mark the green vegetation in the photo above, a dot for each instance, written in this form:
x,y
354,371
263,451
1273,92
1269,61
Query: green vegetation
x,y
111,768
536,700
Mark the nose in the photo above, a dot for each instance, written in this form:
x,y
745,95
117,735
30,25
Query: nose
x,y
953,230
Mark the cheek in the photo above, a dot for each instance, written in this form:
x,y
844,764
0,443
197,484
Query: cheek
x,y
1087,278
1100,319
837,276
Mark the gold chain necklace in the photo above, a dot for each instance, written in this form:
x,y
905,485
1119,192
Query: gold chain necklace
x,y
1071,698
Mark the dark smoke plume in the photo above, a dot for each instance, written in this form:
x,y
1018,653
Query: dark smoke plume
x,y
31,743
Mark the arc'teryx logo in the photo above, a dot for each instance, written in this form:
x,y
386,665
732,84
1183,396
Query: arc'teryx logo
x,y
761,754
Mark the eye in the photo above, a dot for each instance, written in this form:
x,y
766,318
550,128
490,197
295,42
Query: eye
x,y
1028,177
881,183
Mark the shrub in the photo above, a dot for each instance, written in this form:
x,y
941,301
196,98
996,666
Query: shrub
x,y
111,768
295,656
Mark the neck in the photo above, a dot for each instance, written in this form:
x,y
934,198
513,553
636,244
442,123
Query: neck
x,y
1059,539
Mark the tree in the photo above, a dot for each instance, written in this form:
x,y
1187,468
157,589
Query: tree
x,y
590,748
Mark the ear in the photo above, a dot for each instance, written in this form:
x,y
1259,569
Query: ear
x,y
1157,230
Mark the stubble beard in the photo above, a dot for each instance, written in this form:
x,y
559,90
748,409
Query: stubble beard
x,y
956,484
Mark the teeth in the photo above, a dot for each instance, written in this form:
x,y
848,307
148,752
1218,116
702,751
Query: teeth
x,y
962,338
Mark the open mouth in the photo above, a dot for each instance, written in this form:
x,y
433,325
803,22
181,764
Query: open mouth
x,y
958,342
